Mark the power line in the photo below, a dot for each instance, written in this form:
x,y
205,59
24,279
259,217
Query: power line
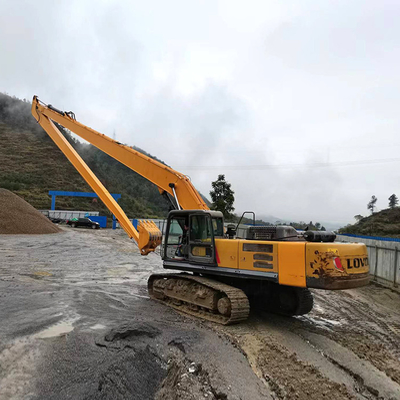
x,y
286,166
283,150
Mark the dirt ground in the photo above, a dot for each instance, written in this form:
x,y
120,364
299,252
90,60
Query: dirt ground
x,y
76,323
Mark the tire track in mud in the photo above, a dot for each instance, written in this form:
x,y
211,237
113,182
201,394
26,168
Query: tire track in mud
x,y
284,373
371,329
348,347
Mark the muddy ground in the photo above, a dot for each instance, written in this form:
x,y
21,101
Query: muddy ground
x,y
76,323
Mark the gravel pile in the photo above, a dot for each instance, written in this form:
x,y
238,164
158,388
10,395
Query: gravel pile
x,y
19,217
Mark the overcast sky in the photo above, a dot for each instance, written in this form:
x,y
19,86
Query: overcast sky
x,y
296,102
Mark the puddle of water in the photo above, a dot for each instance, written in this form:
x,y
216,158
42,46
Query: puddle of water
x,y
331,321
98,326
59,329
318,308
323,322
139,295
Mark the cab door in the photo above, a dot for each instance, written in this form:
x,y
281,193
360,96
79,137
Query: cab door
x,y
175,236
201,239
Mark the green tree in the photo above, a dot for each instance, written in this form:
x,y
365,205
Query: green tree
x,y
371,205
393,201
222,197
358,217
318,225
323,228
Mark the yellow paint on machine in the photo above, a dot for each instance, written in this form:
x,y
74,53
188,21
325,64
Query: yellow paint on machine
x,y
287,260
258,255
336,259
291,258
299,264
227,251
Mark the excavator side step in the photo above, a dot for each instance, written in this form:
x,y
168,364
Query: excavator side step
x,y
201,297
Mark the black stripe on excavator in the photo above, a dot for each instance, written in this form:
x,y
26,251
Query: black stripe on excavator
x,y
182,266
258,247
260,264
264,257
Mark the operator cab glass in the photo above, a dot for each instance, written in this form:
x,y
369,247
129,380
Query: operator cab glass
x,y
218,226
190,237
173,246
201,243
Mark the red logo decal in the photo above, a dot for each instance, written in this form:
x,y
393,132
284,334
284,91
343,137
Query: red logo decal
x,y
217,257
338,264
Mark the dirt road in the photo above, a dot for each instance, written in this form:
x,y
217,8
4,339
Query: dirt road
x,y
348,347
76,323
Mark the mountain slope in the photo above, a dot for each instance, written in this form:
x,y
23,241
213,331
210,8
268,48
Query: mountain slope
x,y
382,223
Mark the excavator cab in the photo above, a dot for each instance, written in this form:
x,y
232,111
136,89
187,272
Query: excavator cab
x,y
190,236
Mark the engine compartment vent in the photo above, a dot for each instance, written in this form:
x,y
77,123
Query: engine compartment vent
x,y
272,233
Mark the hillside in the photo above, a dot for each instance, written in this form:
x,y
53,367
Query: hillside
x,y
382,223
31,165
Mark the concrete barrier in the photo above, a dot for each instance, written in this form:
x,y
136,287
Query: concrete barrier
x,y
384,259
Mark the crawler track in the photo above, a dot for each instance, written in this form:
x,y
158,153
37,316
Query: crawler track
x,y
300,303
201,297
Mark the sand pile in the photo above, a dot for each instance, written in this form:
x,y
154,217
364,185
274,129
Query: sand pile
x,y
17,216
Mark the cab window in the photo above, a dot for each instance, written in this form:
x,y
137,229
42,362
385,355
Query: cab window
x,y
175,230
201,245
218,227
177,246
200,229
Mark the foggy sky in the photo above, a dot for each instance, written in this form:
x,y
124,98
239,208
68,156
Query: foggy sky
x,y
290,100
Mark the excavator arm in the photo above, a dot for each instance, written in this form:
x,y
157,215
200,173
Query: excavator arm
x,y
166,179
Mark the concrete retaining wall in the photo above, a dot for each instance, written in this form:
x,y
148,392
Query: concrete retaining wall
x,y
384,259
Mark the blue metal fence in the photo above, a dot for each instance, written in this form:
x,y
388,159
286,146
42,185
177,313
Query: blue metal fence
x,y
100,219
387,239
55,193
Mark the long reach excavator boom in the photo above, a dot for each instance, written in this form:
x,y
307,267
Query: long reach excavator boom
x,y
176,186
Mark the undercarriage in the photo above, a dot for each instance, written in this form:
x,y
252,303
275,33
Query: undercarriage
x,y
227,300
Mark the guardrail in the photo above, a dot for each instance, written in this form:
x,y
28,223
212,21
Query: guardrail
x,y
383,257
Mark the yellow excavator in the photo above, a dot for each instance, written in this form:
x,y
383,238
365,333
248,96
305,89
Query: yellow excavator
x,y
271,267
